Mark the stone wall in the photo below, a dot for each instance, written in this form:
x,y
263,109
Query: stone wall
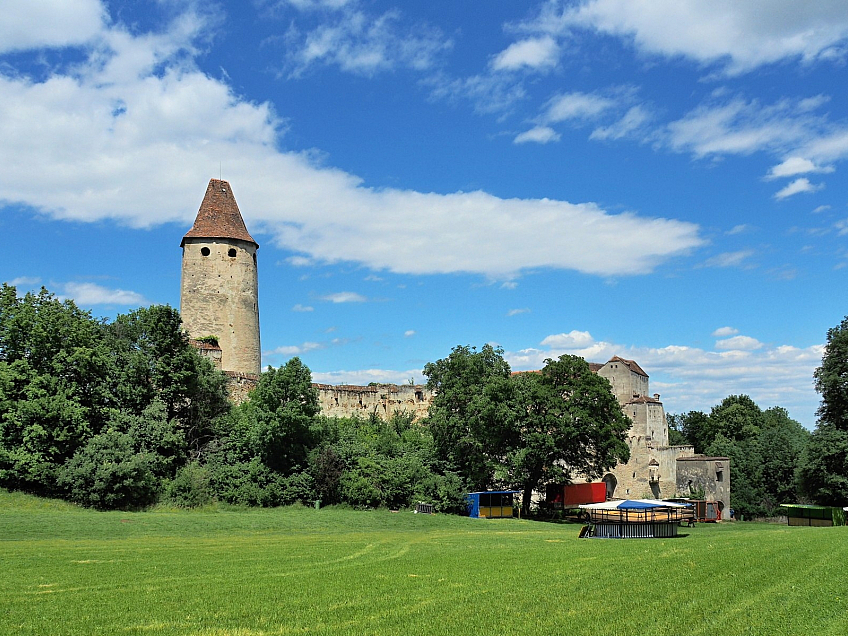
x,y
219,297
710,473
382,399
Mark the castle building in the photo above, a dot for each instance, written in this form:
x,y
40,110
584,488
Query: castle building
x,y
219,289
219,303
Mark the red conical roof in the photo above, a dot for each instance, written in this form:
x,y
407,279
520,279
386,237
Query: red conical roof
x,y
219,216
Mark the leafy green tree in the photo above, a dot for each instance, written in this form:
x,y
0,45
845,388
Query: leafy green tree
x,y
568,423
470,416
824,466
691,428
156,362
823,471
54,386
276,422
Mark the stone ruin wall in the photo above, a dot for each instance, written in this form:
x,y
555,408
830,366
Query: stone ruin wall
x,y
383,399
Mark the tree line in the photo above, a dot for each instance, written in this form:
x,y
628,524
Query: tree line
x,y
126,413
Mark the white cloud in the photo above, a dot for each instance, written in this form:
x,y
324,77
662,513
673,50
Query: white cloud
x,y
24,281
842,227
87,294
489,93
509,284
724,332
364,44
408,333
739,343
302,308
689,378
306,347
738,229
517,312
729,259
633,121
533,53
571,340
295,350
538,134
344,297
138,105
29,24
796,165
798,186
737,36
743,127
580,106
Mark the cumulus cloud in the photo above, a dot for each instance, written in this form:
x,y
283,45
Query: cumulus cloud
x,y
87,294
537,134
344,297
739,343
693,378
794,166
28,24
302,308
735,36
138,105
724,332
571,340
797,187
408,333
533,53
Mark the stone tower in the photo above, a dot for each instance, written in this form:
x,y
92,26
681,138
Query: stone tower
x,y
219,288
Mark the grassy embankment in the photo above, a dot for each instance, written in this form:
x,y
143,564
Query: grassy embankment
x,y
64,570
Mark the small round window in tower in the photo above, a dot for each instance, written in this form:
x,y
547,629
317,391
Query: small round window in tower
x,y
204,251
232,252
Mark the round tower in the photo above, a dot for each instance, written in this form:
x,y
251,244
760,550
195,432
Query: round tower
x,y
219,291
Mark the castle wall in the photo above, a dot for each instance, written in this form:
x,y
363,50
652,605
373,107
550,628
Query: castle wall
x,y
219,297
383,399
625,382
710,473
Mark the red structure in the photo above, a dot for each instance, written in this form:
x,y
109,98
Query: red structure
x,y
573,495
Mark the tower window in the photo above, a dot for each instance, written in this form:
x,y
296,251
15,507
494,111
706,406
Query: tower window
x,y
204,251
232,252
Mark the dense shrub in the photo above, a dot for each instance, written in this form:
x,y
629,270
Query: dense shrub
x,y
107,473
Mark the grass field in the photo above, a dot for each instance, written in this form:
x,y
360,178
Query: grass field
x,y
64,570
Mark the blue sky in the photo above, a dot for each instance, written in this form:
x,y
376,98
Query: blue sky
x,y
656,179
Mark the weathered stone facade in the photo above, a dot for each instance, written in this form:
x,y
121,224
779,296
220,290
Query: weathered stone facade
x,y
219,291
383,399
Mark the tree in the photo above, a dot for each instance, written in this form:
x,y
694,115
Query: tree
x,y
278,416
824,465
470,415
54,386
568,423
156,362
831,379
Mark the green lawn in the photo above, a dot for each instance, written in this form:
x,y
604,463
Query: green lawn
x,y
64,570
